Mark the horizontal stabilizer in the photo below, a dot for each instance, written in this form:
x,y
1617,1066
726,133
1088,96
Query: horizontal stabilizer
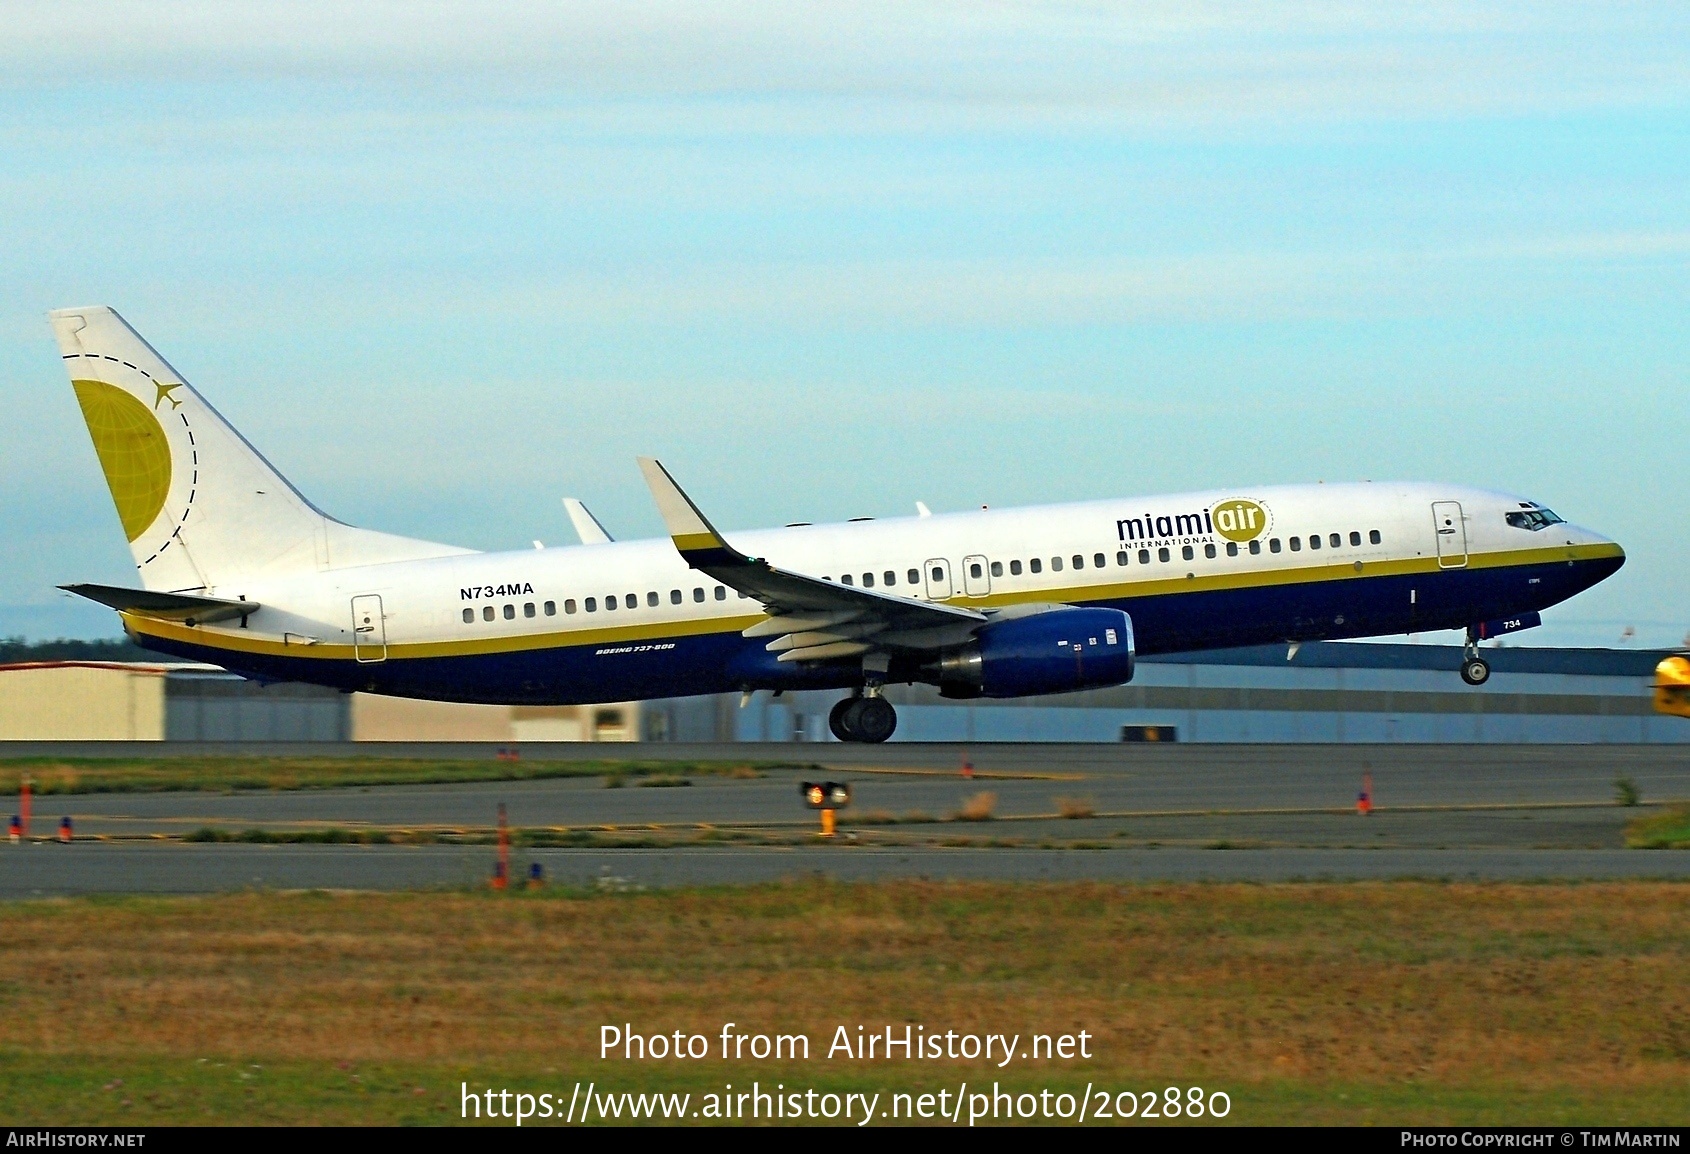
x,y
167,606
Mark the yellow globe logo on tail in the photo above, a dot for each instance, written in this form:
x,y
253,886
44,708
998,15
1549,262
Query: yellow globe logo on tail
x,y
132,449
1240,520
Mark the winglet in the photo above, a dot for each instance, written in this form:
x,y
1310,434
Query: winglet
x,y
587,526
695,538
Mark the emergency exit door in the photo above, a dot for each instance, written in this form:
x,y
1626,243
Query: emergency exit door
x,y
938,574
369,629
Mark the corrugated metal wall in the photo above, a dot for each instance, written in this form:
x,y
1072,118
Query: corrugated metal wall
x,y
221,707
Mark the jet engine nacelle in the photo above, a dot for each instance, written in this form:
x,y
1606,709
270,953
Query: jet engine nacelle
x,y
1054,652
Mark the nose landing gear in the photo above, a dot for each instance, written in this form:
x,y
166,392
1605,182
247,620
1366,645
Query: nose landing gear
x,y
1475,670
869,718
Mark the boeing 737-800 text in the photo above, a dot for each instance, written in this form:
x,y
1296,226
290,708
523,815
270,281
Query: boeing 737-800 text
x,y
239,569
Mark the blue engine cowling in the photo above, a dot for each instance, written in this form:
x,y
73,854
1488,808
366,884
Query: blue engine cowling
x,y
1055,652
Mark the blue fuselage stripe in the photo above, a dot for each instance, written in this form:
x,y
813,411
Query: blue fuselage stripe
x,y
724,662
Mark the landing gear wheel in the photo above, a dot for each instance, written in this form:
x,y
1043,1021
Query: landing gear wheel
x,y
1475,671
871,719
836,718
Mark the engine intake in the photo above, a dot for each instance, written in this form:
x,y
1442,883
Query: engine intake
x,y
1055,652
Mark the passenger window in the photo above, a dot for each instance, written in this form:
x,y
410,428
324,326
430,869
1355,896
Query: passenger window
x,y
592,605
1162,555
1079,561
868,580
1187,553
1015,568
938,573
487,613
697,594
1121,558
1232,548
569,605
610,603
1035,565
914,576
1334,540
1255,547
510,613
890,577
1314,541
631,601
847,579
1373,536
1273,545
1355,538
1296,544
1097,561
721,593
528,609
1209,552
997,568
674,596
651,600
1056,564
469,616
551,609
1144,556
974,570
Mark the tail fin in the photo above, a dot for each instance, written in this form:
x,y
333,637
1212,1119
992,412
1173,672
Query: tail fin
x,y
200,506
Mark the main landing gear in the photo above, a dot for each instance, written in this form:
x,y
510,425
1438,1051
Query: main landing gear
x,y
1475,670
869,718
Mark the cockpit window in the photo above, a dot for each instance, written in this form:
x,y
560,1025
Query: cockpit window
x,y
1533,519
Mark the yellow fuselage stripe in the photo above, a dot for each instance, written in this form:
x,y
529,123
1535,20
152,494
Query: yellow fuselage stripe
x,y
217,637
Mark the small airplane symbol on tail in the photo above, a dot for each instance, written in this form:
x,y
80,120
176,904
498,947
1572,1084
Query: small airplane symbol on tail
x,y
164,392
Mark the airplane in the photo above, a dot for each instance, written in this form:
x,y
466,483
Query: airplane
x,y
239,569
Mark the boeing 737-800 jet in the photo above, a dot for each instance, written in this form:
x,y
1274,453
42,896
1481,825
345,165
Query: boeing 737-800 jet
x,y
239,569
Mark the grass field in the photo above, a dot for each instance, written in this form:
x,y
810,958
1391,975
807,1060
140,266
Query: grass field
x,y
1390,1002
1669,829
155,775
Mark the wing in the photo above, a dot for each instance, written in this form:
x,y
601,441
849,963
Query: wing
x,y
809,619
587,526
168,606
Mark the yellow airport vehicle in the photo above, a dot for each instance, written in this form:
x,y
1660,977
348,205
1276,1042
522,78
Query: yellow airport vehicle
x,y
1672,686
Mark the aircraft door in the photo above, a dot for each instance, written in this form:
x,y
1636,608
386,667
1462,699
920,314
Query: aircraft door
x,y
1451,532
938,574
976,576
369,629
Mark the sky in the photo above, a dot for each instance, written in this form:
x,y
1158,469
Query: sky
x,y
445,263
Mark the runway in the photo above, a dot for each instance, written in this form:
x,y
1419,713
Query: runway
x,y
49,870
1173,813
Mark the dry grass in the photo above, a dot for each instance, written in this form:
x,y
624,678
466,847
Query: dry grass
x,y
150,775
1076,807
1398,992
979,807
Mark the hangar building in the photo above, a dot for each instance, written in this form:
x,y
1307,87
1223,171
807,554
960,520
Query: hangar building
x,y
1322,692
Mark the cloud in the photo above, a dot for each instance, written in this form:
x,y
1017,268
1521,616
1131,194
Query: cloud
x,y
1143,63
